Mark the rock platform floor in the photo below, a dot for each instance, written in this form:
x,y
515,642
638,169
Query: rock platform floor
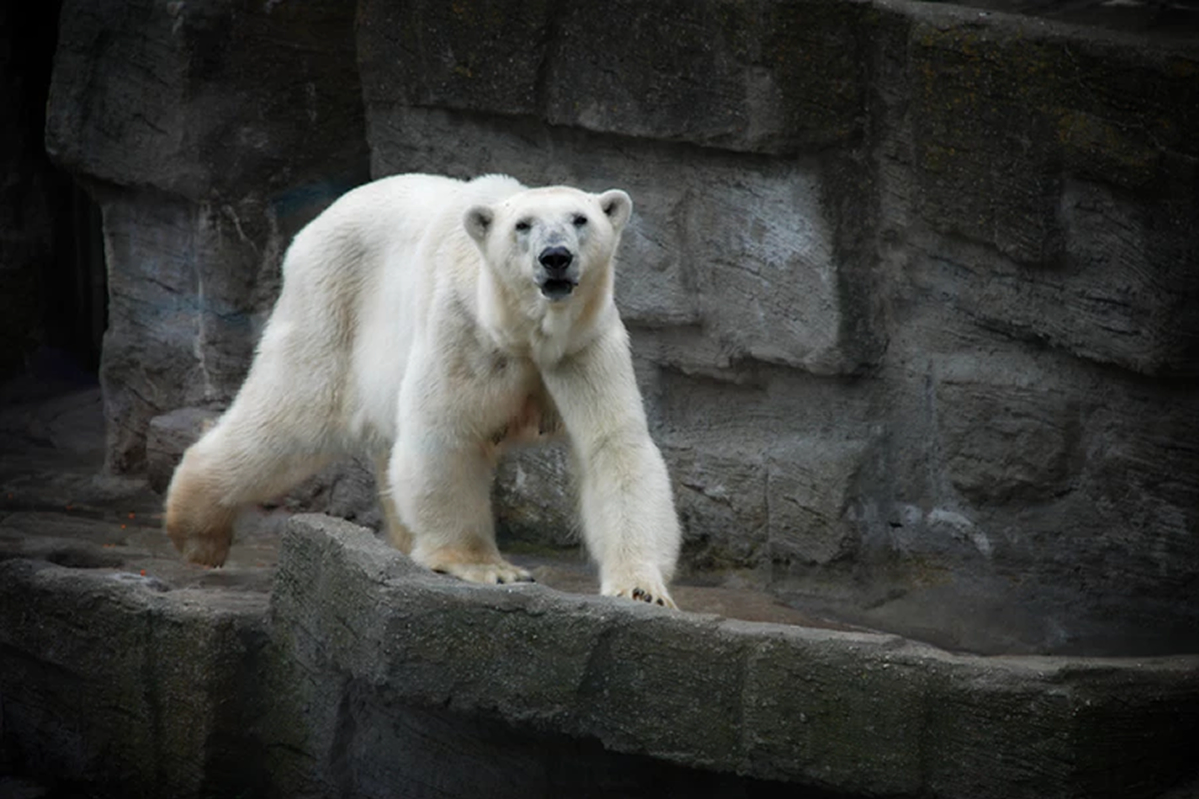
x,y
57,505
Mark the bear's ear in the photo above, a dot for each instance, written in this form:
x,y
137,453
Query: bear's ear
x,y
617,207
478,221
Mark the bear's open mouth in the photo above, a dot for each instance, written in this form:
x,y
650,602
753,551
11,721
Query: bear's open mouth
x,y
557,289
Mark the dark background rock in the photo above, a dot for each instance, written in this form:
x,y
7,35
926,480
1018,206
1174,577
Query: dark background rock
x,y
209,134
52,291
207,100
116,672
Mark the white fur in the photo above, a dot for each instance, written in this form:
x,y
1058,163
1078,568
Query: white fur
x,y
412,326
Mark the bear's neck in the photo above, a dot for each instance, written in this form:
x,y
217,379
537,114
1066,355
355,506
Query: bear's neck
x,y
536,328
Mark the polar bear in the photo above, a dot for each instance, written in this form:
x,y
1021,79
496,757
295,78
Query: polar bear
x,y
429,322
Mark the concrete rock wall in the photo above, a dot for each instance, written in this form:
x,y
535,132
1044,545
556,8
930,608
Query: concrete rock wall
x,y
209,133
912,290
357,673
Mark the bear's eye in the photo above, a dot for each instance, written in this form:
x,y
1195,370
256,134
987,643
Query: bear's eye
x,y
580,220
523,226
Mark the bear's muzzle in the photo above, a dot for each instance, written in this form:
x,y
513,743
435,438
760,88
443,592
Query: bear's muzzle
x,y
558,277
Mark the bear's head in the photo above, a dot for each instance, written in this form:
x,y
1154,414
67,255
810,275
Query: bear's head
x,y
552,240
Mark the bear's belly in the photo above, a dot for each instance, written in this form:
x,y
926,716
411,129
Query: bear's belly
x,y
535,419
527,417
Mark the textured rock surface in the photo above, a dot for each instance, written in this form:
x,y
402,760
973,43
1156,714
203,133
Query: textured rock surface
x,y
852,713
124,672
87,571
911,286
205,100
209,134
881,367
112,672
718,74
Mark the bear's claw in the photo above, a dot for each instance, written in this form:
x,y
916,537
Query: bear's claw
x,y
638,594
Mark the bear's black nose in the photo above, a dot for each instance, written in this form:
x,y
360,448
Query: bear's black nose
x,y
556,259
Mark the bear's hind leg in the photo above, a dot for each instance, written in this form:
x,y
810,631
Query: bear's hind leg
x,y
240,461
444,495
400,536
198,521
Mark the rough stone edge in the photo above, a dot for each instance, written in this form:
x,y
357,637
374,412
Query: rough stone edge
x,y
53,619
912,715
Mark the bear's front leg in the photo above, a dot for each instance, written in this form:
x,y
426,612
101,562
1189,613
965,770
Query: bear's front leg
x,y
442,492
629,521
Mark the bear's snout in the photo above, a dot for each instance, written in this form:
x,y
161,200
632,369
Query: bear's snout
x,y
557,279
556,260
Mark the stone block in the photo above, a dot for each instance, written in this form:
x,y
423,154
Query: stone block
x,y
1010,433
1051,496
168,436
721,497
1141,451
767,283
345,488
999,110
535,498
190,287
850,713
817,706
654,284
1119,295
1129,285
1060,157
368,675
485,56
199,99
767,77
758,474
811,487
125,686
984,148
130,127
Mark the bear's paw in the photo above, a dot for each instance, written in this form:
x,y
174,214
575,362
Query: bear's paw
x,y
652,592
491,573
